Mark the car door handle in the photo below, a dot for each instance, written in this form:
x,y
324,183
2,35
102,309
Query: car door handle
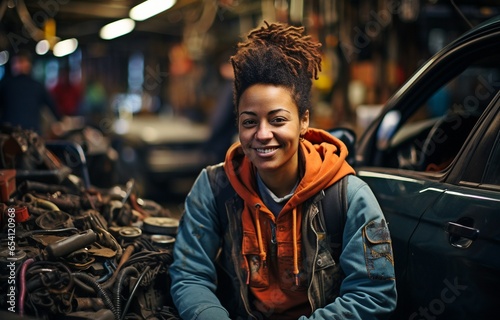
x,y
460,230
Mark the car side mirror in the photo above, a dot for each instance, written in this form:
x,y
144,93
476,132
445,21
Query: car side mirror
x,y
348,137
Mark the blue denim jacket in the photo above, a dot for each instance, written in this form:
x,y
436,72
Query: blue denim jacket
x,y
208,283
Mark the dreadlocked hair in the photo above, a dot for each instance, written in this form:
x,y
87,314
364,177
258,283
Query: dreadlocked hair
x,y
280,55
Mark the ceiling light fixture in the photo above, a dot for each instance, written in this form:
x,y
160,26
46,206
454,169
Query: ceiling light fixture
x,y
149,8
42,47
117,29
65,47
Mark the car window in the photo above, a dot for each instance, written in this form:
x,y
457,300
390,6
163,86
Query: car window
x,y
479,163
492,171
489,162
430,138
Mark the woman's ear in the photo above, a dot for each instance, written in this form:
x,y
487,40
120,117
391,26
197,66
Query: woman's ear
x,y
304,123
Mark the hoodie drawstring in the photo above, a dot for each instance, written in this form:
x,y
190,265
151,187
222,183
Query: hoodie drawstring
x,y
262,252
295,248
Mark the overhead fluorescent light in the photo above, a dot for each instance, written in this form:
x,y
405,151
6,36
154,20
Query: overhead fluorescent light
x,y
65,47
42,47
4,57
149,8
117,29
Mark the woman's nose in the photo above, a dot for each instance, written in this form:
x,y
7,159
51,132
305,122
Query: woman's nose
x,y
264,132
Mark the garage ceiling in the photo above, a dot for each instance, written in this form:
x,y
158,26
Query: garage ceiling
x,y
83,19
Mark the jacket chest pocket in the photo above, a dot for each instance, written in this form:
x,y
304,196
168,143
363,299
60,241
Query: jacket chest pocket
x,y
285,267
258,272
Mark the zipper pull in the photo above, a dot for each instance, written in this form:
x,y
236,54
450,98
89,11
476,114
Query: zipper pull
x,y
273,233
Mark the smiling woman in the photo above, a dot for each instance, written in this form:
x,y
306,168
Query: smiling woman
x,y
267,232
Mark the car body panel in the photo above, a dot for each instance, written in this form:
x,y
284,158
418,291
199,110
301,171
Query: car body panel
x,y
465,266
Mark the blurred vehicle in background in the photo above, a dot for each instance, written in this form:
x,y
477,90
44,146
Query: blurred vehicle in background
x,y
101,159
432,158
162,154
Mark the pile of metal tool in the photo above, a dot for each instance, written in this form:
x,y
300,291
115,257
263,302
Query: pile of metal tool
x,y
73,251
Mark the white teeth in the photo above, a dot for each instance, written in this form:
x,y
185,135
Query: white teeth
x,y
266,150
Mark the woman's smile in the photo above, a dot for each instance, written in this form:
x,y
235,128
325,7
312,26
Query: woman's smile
x,y
266,151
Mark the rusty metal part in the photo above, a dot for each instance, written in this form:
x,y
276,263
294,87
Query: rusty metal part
x,y
38,202
51,220
86,304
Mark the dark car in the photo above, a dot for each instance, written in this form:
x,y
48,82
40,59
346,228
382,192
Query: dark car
x,y
432,158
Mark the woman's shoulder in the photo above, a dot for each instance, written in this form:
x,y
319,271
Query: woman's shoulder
x,y
354,182
357,187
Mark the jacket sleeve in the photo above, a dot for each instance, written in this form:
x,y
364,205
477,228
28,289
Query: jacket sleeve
x,y
369,288
193,272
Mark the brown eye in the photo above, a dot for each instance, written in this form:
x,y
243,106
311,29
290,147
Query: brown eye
x,y
248,123
278,120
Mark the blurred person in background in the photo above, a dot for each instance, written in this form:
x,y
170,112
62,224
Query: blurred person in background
x,y
223,119
184,84
22,98
67,94
252,241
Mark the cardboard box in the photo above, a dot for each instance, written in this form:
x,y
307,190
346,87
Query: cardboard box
x,y
7,184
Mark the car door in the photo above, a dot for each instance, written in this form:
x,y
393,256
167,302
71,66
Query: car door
x,y
453,261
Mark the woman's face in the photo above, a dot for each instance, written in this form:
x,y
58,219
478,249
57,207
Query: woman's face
x,y
269,128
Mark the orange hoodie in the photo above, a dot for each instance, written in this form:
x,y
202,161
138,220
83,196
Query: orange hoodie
x,y
275,282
